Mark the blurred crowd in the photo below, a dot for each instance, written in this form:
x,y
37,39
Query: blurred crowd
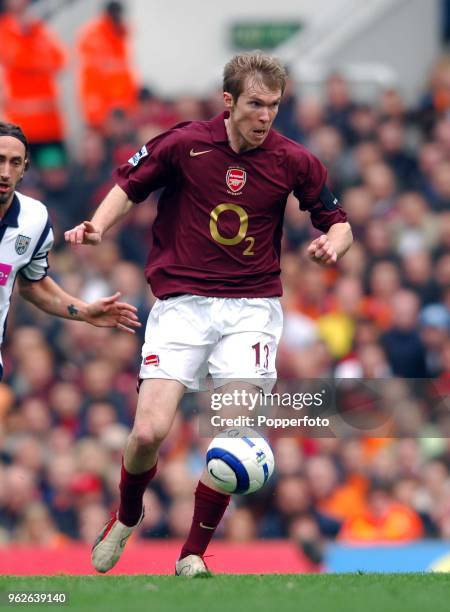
x,y
382,313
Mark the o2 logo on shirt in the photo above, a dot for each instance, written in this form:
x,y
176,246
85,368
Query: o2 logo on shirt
x,y
5,270
138,156
241,234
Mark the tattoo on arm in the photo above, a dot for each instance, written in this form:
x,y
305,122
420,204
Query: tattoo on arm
x,y
72,310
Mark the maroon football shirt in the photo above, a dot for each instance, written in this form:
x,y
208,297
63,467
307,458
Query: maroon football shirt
x,y
219,222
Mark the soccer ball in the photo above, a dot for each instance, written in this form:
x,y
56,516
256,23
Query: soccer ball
x,y
239,461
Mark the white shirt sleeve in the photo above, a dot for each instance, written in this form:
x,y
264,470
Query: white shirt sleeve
x,y
37,268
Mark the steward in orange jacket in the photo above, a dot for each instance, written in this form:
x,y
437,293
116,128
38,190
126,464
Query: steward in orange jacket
x,y
30,57
106,80
384,520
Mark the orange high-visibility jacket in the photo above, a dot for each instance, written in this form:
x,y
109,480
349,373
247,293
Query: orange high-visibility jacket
x,y
30,58
106,79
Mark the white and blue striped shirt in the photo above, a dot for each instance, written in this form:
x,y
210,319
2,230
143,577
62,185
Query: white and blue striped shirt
x,y
26,237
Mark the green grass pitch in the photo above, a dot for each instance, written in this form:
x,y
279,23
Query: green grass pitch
x,y
233,593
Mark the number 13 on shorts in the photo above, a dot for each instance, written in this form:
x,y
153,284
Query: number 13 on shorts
x,y
246,356
266,350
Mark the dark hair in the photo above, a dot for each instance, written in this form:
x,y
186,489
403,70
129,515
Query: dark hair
x,y
265,68
9,129
114,9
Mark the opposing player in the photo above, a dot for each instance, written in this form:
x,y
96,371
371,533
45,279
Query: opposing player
x,y
25,239
215,269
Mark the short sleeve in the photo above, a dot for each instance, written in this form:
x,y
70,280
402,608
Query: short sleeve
x,y
150,168
315,197
37,267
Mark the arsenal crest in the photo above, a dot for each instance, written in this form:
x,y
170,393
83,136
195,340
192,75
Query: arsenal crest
x,y
22,244
236,179
151,360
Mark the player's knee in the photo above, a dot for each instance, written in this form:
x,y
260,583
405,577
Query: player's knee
x,y
145,437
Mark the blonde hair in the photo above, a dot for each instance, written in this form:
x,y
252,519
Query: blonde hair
x,y
265,68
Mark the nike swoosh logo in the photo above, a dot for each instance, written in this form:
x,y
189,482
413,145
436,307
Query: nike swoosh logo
x,y
206,526
218,477
193,153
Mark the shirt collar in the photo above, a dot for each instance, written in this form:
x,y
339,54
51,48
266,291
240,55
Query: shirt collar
x,y
11,217
219,132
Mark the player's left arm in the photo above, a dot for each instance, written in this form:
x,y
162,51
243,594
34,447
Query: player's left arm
x,y
328,248
327,215
105,312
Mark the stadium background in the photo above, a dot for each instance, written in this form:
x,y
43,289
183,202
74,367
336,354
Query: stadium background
x,y
69,392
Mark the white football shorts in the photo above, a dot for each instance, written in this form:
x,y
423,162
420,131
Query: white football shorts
x,y
188,337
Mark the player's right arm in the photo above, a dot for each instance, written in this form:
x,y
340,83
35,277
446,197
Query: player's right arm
x,y
148,169
113,208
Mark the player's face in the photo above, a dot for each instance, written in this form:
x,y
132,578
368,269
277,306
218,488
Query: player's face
x,y
12,167
252,114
